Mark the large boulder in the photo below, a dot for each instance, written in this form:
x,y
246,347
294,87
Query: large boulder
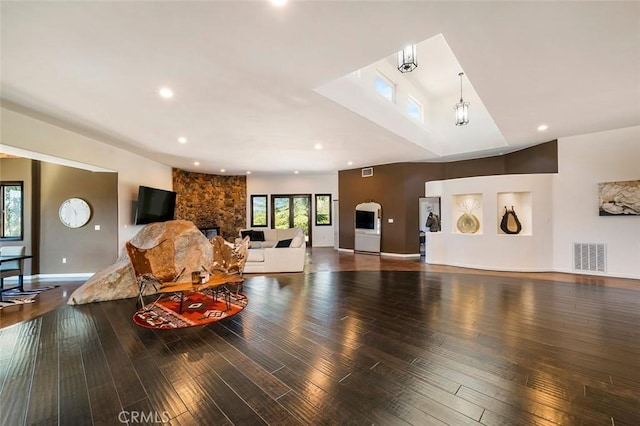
x,y
191,248
116,281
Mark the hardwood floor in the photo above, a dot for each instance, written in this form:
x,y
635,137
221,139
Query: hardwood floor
x,y
356,339
44,302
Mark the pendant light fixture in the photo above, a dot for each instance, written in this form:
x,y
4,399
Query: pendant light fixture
x,y
462,108
407,59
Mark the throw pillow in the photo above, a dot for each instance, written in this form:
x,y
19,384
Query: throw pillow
x,y
284,243
297,242
247,233
257,236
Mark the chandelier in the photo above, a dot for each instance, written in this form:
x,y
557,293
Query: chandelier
x,y
407,59
462,108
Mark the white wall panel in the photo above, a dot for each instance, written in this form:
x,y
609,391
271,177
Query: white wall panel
x,y
322,236
583,162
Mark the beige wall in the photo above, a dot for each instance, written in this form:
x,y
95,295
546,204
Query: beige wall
x,y
85,249
24,132
46,186
20,169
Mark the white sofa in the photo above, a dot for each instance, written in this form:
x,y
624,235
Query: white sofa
x,y
265,257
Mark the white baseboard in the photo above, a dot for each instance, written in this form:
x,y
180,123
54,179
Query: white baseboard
x,y
50,277
489,268
598,274
345,250
403,255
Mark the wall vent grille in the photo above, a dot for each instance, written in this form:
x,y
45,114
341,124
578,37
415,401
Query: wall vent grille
x,y
367,172
590,257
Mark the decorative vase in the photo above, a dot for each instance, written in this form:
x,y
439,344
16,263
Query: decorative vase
x,y
510,224
468,223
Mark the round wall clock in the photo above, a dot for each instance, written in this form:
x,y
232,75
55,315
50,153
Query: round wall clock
x,y
74,212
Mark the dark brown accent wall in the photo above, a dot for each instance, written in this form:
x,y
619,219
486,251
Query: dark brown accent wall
x,y
488,166
541,158
36,168
385,188
211,200
397,187
85,249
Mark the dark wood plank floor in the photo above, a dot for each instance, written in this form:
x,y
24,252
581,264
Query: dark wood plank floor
x,y
342,347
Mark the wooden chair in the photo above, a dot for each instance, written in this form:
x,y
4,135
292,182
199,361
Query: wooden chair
x,y
240,253
154,266
12,268
227,266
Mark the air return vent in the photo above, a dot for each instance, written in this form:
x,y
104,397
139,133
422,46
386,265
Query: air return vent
x,y
367,172
589,257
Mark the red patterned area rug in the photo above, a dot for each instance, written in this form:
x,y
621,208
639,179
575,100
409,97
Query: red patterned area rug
x,y
197,309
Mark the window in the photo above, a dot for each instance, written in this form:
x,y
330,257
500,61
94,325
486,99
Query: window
x,y
385,87
12,204
414,109
323,209
292,211
258,210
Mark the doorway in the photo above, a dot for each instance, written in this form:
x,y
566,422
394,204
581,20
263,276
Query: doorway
x,y
292,211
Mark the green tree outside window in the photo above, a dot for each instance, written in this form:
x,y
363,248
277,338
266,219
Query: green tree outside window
x,y
12,205
323,209
258,210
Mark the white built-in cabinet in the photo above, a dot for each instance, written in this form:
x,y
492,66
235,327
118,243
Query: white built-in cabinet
x,y
472,237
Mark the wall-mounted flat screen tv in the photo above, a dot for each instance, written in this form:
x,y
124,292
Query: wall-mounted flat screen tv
x,y
154,205
365,219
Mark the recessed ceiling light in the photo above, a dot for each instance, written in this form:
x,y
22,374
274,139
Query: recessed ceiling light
x,y
278,2
542,127
182,139
317,146
165,92
222,170
350,163
196,163
248,172
296,172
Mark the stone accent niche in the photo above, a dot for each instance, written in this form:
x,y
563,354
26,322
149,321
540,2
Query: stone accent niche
x,y
208,200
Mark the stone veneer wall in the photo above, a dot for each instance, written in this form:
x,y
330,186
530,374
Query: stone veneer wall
x,y
211,200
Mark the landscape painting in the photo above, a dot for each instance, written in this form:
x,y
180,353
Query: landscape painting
x,y
619,198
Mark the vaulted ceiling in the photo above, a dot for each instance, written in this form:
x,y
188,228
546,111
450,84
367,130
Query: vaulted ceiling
x,y
256,87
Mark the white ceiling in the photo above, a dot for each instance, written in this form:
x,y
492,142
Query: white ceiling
x,y
247,76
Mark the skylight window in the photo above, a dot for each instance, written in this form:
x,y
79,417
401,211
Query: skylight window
x,y
414,109
385,87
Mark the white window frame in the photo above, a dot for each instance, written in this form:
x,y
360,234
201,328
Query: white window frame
x,y
412,100
391,84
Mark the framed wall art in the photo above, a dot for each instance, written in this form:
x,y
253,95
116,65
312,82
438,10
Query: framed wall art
x,y
430,205
619,198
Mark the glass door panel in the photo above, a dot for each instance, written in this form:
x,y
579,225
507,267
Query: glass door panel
x,y
281,212
302,214
292,211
